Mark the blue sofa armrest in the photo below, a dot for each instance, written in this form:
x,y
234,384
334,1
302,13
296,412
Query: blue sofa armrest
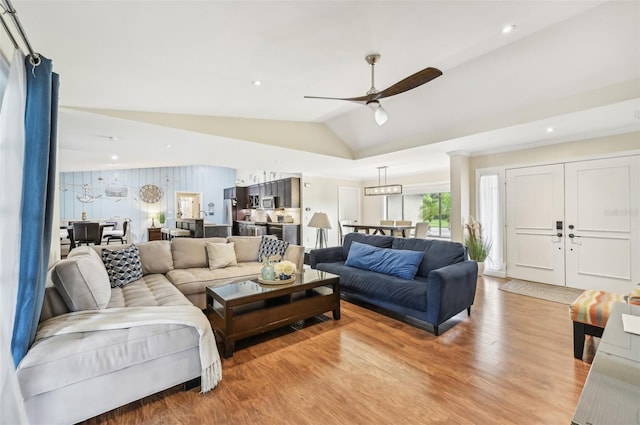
x,y
450,290
325,255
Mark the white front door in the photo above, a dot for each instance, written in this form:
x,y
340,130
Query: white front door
x,y
603,224
595,205
535,208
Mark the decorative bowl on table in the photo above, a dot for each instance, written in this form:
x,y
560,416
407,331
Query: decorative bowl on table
x,y
279,273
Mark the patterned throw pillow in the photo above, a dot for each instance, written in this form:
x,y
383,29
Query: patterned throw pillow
x,y
122,266
270,247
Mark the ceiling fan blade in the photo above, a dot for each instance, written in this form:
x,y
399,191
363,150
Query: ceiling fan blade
x,y
411,82
351,99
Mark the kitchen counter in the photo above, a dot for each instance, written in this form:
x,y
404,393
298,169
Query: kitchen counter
x,y
200,229
289,232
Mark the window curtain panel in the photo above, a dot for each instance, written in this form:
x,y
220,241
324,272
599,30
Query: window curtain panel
x,y
489,216
11,160
38,195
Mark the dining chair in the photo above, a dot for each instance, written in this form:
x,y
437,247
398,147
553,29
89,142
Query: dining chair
x,y
386,222
118,234
86,233
341,231
115,230
403,222
404,232
421,230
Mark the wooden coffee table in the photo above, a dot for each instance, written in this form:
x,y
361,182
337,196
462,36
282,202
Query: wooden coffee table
x,y
239,310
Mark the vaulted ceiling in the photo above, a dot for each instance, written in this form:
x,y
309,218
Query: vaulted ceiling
x,y
150,74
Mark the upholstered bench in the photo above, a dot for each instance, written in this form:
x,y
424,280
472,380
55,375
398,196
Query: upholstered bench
x,y
590,312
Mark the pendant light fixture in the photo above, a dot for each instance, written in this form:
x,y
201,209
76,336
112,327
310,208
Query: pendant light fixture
x,y
383,189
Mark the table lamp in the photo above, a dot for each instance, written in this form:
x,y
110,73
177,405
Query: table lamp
x,y
321,222
153,219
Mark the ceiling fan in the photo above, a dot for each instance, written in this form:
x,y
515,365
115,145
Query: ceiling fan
x,y
373,96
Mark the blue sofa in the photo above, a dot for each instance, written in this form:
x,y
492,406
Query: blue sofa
x,y
444,285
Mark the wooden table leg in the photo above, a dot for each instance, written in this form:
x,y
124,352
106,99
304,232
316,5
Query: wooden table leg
x,y
229,347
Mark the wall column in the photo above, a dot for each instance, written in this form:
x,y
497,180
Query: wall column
x,y
459,177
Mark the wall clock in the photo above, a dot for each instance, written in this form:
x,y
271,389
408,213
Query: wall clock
x,y
150,193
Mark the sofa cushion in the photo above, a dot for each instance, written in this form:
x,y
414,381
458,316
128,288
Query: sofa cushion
x,y
395,262
82,282
195,280
123,266
155,257
62,360
150,290
437,253
246,247
406,293
221,255
374,240
188,252
270,247
84,250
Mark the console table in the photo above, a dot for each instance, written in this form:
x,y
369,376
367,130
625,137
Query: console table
x,y
611,394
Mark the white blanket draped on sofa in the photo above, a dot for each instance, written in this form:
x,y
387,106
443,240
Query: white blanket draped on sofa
x,y
122,318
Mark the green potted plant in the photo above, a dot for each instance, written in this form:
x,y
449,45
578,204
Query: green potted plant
x,y
162,218
476,243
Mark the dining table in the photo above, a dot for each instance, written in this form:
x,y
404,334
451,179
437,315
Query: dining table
x,y
381,229
69,229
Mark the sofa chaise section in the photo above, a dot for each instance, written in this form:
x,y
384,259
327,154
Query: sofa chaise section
x,y
72,377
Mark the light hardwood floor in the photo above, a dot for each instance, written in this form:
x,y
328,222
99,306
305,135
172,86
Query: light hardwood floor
x,y
510,362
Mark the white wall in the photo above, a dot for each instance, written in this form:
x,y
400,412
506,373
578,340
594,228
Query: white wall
x,y
321,196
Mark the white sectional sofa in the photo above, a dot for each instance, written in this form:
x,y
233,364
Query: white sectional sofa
x,y
72,377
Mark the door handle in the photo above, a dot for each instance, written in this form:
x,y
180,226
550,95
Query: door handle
x,y
559,234
571,235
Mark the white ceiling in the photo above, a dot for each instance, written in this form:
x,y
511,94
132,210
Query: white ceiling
x,y
573,65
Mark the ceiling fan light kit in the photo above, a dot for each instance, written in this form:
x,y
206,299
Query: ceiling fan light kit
x,y
383,189
371,99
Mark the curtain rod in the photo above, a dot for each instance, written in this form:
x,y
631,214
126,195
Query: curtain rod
x,y
8,8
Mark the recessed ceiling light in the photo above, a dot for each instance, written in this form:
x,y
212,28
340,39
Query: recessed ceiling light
x,y
167,146
550,129
114,157
508,29
256,82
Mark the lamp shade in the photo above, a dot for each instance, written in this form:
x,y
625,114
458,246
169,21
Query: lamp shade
x,y
320,220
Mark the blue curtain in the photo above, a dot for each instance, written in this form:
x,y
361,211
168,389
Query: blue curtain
x,y
38,191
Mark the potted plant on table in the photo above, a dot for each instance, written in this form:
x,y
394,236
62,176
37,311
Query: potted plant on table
x,y
162,218
477,245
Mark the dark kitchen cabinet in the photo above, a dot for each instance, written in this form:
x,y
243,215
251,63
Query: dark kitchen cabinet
x,y
240,194
254,196
242,197
291,193
287,190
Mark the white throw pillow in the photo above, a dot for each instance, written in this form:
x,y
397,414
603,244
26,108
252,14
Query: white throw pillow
x,y
221,255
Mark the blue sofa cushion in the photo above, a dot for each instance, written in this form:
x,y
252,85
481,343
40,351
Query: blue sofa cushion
x,y
374,240
395,262
407,293
437,253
